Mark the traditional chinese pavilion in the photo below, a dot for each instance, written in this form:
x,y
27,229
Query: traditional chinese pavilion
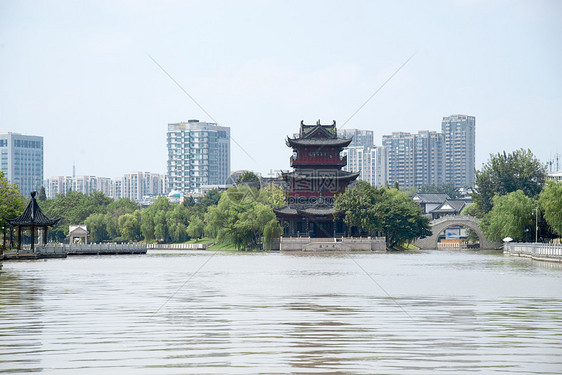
x,y
316,177
32,218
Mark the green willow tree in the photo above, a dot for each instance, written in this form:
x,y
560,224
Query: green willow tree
x,y
196,228
357,205
239,219
248,176
12,203
384,211
273,196
401,218
271,232
129,226
511,216
42,196
73,208
505,173
97,228
550,201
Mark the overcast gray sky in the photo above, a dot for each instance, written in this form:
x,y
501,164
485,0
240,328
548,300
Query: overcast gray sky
x,y
79,74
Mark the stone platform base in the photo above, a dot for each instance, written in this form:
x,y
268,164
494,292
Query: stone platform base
x,y
28,254
333,244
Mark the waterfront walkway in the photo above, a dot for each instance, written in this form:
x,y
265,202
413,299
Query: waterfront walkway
x,y
536,251
333,244
181,246
62,251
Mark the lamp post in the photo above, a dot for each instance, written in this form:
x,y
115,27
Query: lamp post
x,y
536,224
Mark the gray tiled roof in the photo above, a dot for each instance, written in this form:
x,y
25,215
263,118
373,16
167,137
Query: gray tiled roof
x,y
32,216
456,204
431,197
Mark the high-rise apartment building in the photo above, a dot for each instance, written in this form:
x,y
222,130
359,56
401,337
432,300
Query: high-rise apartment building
x,y
379,166
429,157
460,149
57,185
415,160
198,155
139,185
21,160
364,138
60,185
364,157
369,161
136,186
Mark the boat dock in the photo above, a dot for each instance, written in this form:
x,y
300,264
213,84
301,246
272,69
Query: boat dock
x,y
62,251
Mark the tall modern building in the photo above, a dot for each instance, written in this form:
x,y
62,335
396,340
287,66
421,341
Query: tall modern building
x,y
137,186
364,138
21,160
460,145
198,155
369,161
415,160
364,157
379,165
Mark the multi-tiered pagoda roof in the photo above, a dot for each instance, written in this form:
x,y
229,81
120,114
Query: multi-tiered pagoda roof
x,y
316,177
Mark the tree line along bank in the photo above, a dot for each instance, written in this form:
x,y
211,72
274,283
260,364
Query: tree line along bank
x,y
512,199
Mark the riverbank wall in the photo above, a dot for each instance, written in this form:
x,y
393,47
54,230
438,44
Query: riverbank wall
x,y
537,251
62,251
180,246
308,244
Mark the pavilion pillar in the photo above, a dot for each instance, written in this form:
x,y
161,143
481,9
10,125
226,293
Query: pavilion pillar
x,y
19,238
306,227
32,238
45,231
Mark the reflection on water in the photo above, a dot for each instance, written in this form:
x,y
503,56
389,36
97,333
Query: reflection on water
x,y
21,322
449,312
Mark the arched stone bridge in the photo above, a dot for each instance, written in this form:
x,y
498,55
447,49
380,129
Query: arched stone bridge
x,y
439,225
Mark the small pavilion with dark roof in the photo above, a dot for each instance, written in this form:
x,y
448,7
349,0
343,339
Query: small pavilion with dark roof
x,y
32,218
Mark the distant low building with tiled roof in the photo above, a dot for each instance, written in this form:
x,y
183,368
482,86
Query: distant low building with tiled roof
x,y
449,207
429,201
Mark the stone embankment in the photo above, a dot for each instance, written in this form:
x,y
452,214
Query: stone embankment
x,y
537,251
62,251
333,244
180,246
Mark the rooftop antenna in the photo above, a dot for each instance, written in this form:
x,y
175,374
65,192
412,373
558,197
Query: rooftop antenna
x,y
73,169
554,163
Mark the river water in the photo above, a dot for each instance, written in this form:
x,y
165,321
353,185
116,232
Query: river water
x,y
197,312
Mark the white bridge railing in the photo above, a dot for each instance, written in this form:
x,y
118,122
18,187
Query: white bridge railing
x,y
535,249
181,246
450,218
93,248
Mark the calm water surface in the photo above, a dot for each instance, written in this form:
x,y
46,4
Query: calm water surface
x,y
239,313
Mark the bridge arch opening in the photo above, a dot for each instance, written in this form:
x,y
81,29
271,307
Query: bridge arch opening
x,y
441,224
458,236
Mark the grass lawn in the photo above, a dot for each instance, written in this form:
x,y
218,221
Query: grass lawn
x,y
202,240
408,246
222,246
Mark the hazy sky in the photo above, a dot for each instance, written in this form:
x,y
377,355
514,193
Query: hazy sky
x,y
79,74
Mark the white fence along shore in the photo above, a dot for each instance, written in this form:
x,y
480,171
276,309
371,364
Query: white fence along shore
x,y
180,246
537,251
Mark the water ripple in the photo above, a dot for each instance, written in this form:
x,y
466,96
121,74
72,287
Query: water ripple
x,y
271,313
